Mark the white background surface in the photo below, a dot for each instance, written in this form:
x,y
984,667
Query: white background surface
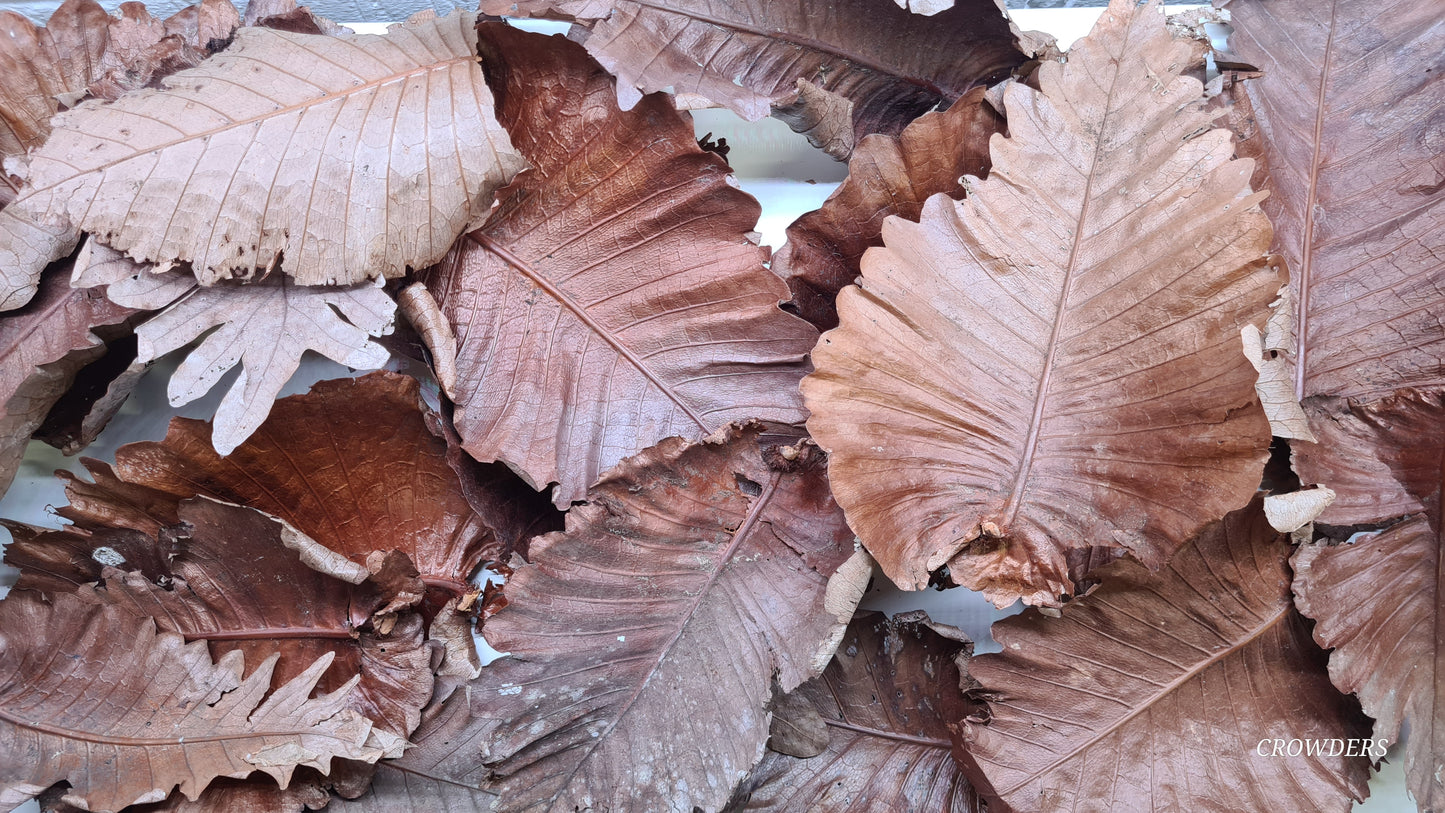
x,y
776,166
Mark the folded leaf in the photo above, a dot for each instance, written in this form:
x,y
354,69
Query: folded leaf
x,y
885,702
886,176
265,327
1379,602
693,578
1347,116
877,62
1158,692
277,152
1053,364
42,348
235,584
613,299
96,697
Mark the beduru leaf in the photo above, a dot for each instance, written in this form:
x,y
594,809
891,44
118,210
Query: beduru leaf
x,y
1053,364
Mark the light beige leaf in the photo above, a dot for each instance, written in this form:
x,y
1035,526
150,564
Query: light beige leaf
x,y
98,698
265,327
26,247
1292,511
1271,352
341,158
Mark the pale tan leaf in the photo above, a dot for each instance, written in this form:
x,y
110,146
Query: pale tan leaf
x,y
341,158
26,247
1292,511
1051,366
265,327
1271,352
98,698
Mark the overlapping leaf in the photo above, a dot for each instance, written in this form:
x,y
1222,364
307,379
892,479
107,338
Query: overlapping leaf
x,y
42,348
1348,126
1053,364
867,61
234,583
1380,601
265,327
644,640
886,176
141,50
1154,692
883,706
95,697
613,298
339,158
44,69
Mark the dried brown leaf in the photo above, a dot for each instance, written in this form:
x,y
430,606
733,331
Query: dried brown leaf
x,y
613,298
886,176
1151,683
1347,121
884,703
98,698
233,583
43,346
43,70
691,580
140,50
1053,364
277,151
1380,601
888,65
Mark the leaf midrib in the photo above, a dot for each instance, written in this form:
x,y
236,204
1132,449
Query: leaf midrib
x,y
156,742
540,280
1188,675
1307,248
740,536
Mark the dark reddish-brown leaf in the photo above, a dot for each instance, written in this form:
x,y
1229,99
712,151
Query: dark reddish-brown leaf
x,y
45,69
886,176
613,298
43,346
235,584
874,62
257,794
645,640
1153,692
1053,364
96,697
1380,601
351,464
884,703
1348,116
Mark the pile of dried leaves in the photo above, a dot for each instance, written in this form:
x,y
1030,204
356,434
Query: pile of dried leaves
x,y
1064,314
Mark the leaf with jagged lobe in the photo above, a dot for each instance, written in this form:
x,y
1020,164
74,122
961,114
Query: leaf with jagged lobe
x,y
884,706
264,326
1346,124
95,697
340,159
141,50
1379,601
871,66
1053,364
614,297
1154,691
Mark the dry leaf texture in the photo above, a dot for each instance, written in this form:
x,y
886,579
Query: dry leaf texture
x,y
340,158
1154,692
885,702
43,67
1054,363
885,65
351,464
141,50
613,298
1349,116
266,327
98,698
235,584
42,348
886,176
644,641
1380,602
